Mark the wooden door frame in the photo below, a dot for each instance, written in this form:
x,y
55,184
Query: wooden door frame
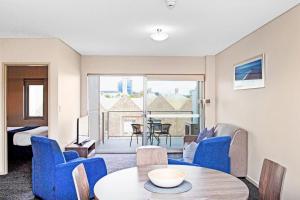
x,y
4,149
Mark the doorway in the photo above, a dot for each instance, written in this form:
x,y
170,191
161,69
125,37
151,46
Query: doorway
x,y
26,110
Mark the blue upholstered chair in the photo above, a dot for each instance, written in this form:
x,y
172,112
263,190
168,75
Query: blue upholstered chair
x,y
211,153
52,170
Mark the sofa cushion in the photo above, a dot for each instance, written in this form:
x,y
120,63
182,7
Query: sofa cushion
x,y
189,151
225,130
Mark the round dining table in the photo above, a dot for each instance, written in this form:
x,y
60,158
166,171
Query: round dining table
x,y
128,184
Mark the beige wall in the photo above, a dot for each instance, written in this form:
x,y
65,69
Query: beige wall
x,y
68,93
210,91
60,59
271,114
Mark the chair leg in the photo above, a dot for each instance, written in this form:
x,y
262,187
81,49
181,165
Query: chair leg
x,y
170,140
166,139
137,139
151,139
131,139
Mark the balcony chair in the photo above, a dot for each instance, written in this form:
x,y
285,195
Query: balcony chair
x,y
164,130
271,180
137,131
154,126
52,170
211,153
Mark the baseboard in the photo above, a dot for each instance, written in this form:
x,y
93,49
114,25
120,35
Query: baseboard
x,y
2,173
251,180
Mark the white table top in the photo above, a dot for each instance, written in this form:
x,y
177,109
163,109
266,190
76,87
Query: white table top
x,y
207,184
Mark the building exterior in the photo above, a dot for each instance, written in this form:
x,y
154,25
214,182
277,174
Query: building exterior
x,y
121,111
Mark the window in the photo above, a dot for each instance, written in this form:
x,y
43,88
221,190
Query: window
x,y
34,101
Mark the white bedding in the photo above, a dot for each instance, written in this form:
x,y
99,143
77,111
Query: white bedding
x,y
13,128
23,138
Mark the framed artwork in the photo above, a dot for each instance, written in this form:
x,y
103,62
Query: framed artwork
x,y
250,73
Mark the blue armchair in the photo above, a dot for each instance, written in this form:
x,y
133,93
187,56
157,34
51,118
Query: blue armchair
x,y
52,170
211,153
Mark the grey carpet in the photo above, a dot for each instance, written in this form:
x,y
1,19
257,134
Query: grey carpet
x,y
17,184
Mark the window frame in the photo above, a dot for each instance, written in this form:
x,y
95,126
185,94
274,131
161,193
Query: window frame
x,y
27,83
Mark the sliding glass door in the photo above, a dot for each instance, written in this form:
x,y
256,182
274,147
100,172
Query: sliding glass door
x,y
165,107
121,105
173,104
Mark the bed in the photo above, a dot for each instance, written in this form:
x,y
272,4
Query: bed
x,y
18,140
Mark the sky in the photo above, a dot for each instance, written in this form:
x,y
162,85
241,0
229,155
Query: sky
x,y
110,83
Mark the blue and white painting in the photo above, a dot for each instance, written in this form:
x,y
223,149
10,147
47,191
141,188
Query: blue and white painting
x,y
249,74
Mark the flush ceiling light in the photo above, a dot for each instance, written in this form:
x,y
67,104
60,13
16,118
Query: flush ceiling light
x,y
159,35
171,3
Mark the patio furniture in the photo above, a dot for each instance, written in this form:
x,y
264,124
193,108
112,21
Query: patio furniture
x,y
52,170
137,131
151,155
206,183
164,130
154,126
271,179
81,183
211,153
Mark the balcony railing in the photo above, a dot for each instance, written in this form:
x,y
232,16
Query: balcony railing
x,y
118,123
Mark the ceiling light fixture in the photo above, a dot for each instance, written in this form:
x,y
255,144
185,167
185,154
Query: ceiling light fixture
x,y
171,3
159,35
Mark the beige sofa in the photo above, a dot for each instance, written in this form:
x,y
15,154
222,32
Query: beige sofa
x,y
238,149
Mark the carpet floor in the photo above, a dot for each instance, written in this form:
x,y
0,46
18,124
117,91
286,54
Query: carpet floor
x,y
16,185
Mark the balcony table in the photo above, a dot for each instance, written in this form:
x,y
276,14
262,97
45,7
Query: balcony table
x,y
207,184
152,130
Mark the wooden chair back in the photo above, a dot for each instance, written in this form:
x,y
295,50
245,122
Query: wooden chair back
x,y
151,155
271,180
81,183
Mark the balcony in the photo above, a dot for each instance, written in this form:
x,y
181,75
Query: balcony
x,y
117,130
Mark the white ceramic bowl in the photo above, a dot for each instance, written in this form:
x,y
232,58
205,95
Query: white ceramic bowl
x,y
166,177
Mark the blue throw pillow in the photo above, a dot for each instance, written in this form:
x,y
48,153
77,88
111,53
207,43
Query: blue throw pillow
x,y
202,135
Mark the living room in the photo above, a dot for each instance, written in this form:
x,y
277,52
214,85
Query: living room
x,y
210,66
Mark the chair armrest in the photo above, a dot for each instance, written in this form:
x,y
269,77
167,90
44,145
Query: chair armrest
x,y
179,162
189,138
95,169
70,155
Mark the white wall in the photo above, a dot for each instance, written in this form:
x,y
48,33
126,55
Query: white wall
x,y
60,59
271,114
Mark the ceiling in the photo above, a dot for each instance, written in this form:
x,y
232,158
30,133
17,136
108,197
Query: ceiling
x,y
122,27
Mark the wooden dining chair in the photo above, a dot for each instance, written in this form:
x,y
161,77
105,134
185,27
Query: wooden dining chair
x,y
81,183
151,155
271,180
